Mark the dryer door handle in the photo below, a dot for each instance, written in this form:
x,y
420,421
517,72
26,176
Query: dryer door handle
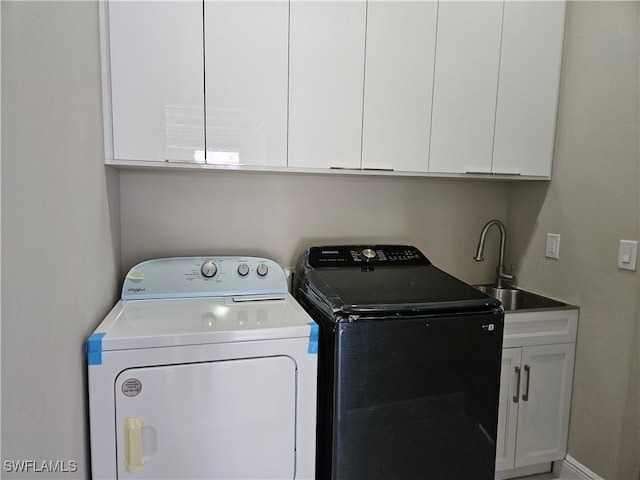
x,y
133,460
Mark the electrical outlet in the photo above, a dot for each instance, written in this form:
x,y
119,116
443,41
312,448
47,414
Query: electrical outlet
x,y
553,246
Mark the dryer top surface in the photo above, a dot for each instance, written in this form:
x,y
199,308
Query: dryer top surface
x,y
177,322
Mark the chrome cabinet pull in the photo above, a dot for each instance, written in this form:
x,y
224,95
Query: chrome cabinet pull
x,y
527,370
516,398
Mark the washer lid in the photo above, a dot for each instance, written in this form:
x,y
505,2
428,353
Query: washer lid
x,y
422,288
178,322
363,279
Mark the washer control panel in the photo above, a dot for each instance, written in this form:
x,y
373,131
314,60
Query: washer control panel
x,y
182,277
361,255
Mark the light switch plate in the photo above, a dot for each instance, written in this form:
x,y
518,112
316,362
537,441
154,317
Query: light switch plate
x,y
553,246
627,254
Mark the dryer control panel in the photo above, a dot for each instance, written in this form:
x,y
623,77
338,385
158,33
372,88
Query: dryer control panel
x,y
216,276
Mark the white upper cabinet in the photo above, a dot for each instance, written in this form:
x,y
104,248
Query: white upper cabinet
x,y
528,88
326,72
496,86
157,81
400,49
246,67
465,84
442,87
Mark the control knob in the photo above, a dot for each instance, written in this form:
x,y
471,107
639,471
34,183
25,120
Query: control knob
x,y
369,253
208,269
243,270
262,270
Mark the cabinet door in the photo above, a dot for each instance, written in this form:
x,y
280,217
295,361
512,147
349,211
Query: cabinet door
x,y
545,396
510,376
398,85
326,83
246,62
157,80
465,83
528,88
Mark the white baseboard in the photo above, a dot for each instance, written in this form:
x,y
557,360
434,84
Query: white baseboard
x,y
571,469
523,471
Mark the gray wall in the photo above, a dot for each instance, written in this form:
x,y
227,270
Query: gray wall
x,y
169,213
593,202
60,227
61,219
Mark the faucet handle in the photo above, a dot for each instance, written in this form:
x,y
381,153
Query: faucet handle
x,y
506,277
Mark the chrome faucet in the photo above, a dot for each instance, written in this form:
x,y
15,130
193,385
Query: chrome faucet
x,y
501,275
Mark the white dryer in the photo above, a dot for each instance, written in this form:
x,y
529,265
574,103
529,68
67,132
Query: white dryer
x,y
205,369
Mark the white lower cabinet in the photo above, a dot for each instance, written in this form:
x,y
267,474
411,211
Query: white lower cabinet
x,y
535,393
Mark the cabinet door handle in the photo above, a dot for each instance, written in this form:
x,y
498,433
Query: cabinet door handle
x,y
527,370
516,397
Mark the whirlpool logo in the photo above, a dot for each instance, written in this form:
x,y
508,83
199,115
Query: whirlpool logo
x,y
136,289
330,252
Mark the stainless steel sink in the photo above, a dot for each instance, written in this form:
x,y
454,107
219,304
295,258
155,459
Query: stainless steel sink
x,y
515,299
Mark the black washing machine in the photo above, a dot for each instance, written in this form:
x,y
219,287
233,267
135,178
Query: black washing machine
x,y
409,365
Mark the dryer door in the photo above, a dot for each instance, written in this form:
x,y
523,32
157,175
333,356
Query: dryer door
x,y
232,419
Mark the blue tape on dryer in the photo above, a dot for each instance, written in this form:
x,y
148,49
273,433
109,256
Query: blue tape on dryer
x,y
314,335
94,349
